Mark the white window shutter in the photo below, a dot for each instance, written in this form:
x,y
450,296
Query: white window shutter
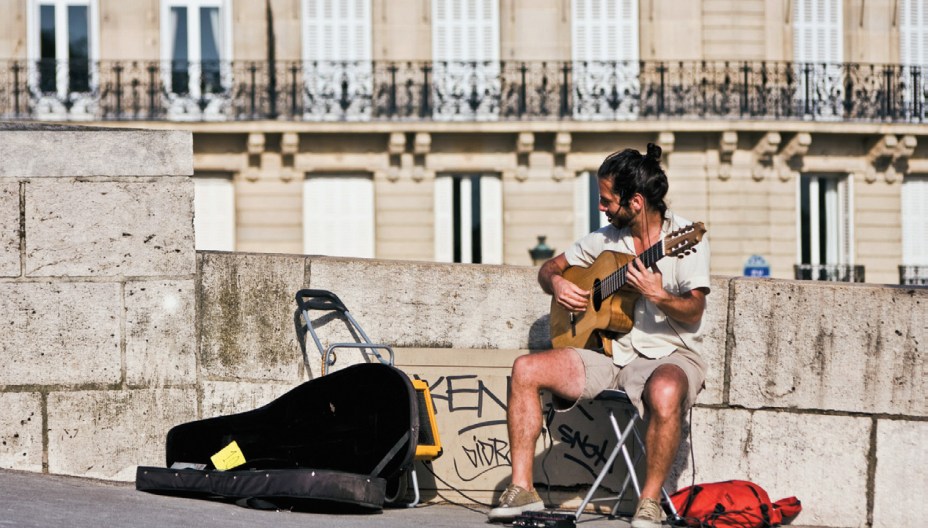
x,y
605,30
465,30
818,31
338,215
491,220
915,221
444,222
337,30
913,32
214,213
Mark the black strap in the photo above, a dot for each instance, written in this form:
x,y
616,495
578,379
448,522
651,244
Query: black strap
x,y
390,454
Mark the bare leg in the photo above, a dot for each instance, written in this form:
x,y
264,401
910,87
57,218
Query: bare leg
x,y
664,397
560,371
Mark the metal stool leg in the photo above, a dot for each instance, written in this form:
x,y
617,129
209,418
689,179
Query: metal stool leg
x,y
622,436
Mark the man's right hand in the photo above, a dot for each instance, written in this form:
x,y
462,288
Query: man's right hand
x,y
567,294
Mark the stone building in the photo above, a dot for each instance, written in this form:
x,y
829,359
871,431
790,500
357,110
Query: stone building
x,y
462,130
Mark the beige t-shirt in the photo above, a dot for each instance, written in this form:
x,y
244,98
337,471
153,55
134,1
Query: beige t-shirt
x,y
653,335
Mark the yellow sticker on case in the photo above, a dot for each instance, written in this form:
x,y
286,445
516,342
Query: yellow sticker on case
x,y
228,457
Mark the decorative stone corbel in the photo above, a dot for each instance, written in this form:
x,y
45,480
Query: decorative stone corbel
x,y
289,146
880,158
290,143
255,143
790,157
666,141
727,146
397,143
562,143
423,143
525,143
900,164
763,153
562,146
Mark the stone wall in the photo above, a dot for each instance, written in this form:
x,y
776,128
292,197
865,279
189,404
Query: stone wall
x,y
97,279
116,330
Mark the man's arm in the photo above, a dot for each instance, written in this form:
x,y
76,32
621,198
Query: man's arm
x,y
686,308
566,293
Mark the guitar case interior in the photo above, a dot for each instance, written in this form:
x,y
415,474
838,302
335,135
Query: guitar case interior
x,y
334,440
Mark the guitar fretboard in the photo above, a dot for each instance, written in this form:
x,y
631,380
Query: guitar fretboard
x,y
616,280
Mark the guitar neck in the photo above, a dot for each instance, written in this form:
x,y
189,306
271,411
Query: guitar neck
x,y
616,280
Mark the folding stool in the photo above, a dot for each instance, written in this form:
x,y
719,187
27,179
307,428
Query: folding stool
x,y
613,398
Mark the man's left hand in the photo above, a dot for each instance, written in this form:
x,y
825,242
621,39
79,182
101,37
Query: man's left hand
x,y
648,282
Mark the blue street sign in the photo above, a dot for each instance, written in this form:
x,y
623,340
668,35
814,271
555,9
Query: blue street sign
x,y
756,266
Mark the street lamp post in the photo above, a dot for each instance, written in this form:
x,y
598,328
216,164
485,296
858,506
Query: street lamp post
x,y
541,252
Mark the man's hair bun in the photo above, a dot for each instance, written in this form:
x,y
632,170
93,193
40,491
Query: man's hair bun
x,y
654,151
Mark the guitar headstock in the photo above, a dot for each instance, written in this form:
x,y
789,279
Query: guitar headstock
x,y
680,242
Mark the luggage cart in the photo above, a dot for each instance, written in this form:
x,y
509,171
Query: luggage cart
x,y
428,444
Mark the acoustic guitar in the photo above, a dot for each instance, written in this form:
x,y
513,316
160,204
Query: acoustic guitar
x,y
610,308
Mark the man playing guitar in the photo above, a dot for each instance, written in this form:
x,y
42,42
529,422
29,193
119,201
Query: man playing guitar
x,y
657,362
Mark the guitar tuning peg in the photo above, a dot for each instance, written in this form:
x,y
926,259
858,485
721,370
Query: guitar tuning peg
x,y
681,255
694,250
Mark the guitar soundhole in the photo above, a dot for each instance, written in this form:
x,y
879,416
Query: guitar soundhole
x,y
597,294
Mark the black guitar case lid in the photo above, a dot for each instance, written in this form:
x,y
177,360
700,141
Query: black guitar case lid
x,y
336,438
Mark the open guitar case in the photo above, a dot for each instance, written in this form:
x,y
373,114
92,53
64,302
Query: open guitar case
x,y
331,442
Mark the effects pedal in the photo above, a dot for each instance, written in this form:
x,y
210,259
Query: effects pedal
x,y
545,519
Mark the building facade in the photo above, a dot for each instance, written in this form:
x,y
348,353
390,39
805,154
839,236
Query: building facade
x,y
462,130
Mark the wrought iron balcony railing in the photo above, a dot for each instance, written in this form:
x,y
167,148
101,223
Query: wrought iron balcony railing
x,y
913,275
829,272
467,91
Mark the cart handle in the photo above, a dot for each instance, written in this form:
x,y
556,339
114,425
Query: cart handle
x,y
319,300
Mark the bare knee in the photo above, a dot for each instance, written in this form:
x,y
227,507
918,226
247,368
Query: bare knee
x,y
666,391
558,370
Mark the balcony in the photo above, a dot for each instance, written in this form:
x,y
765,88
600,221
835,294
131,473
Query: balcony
x,y
459,91
829,272
913,275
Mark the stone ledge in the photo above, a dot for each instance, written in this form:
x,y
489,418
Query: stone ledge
x,y
89,151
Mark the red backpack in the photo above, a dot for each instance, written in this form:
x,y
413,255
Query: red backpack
x,y
732,504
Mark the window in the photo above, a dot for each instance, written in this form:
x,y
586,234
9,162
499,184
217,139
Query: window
x,y
338,215
915,221
604,44
196,46
214,212
63,46
465,54
337,59
825,220
913,53
587,216
818,50
468,219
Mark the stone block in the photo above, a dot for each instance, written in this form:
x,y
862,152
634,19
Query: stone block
x,y
246,316
86,151
160,333
64,332
821,459
713,344
829,346
21,431
106,434
230,397
9,230
901,473
106,228
414,304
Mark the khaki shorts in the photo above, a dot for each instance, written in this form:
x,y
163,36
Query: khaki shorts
x,y
602,374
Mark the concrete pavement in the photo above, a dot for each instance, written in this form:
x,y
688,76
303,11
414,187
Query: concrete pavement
x,y
30,500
